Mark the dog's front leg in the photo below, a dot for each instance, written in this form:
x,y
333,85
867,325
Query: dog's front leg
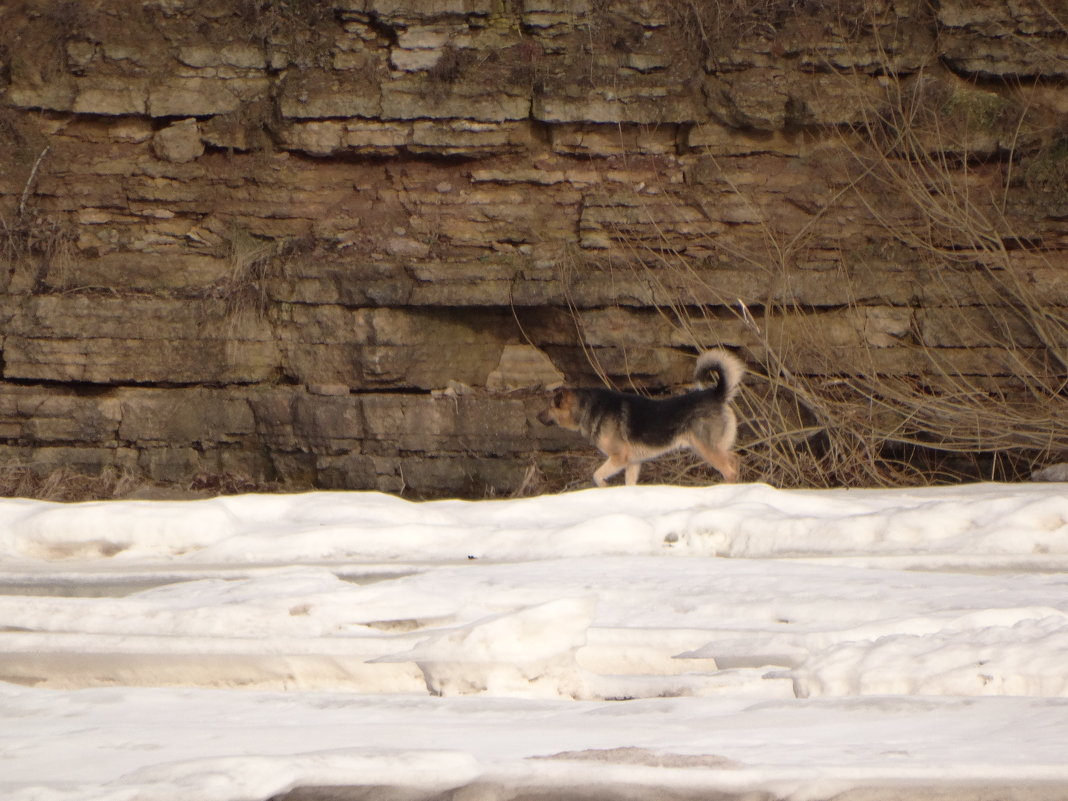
x,y
606,471
631,476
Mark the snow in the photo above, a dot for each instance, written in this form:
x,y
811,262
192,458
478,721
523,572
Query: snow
x,y
633,642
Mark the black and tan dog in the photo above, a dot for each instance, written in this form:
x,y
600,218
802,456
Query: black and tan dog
x,y
631,429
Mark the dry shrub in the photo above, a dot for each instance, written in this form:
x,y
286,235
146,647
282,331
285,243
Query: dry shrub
x,y
229,483
35,248
991,405
969,228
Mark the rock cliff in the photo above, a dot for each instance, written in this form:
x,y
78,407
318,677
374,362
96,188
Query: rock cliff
x,y
346,243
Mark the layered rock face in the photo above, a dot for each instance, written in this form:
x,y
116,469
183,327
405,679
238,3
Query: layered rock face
x,y
348,243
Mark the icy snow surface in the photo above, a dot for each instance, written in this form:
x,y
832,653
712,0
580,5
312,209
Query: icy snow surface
x,y
643,642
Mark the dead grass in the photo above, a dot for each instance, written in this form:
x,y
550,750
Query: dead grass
x,y
254,264
65,484
712,29
68,485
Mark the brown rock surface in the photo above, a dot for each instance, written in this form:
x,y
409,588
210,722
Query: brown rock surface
x,y
345,243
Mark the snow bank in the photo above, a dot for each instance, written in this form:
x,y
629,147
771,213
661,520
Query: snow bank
x,y
751,521
732,639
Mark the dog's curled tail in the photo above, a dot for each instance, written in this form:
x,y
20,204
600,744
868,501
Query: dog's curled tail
x,y
719,370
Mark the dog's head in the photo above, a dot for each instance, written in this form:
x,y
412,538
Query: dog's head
x,y
562,410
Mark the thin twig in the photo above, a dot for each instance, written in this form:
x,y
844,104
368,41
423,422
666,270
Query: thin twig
x,y
29,182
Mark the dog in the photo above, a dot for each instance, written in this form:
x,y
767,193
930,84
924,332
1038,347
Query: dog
x,y
630,429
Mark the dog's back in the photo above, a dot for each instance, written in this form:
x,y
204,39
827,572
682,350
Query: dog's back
x,y
656,422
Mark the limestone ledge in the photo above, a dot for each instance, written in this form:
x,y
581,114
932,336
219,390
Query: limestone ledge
x,y
287,435
1026,38
557,63
173,342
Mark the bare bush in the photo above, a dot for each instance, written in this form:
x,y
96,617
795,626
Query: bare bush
x,y
980,388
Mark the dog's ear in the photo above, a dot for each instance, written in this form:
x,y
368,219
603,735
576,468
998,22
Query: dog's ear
x,y
558,398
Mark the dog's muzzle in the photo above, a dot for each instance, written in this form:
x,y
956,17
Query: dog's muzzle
x,y
545,418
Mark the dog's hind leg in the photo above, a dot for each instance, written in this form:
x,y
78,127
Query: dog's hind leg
x,y
631,476
723,460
